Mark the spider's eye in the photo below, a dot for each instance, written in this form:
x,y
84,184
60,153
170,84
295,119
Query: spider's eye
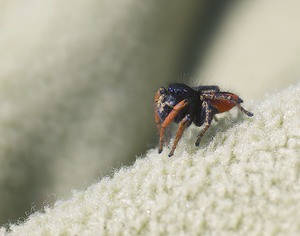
x,y
170,101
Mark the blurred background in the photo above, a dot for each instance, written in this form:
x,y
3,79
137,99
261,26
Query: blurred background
x,y
77,80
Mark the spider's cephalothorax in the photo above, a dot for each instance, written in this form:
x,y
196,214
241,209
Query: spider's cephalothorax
x,y
185,105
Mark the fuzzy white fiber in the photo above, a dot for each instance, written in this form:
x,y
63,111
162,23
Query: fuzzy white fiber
x,y
244,179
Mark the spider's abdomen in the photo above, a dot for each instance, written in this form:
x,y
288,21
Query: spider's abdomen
x,y
225,105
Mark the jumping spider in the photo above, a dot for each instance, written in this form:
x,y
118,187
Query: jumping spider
x,y
185,105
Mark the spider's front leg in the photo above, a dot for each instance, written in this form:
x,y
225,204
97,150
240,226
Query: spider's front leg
x,y
185,122
208,118
176,109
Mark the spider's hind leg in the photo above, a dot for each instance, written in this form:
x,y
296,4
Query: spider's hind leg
x,y
209,114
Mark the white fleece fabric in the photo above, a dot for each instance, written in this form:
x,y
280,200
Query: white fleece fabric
x,y
242,180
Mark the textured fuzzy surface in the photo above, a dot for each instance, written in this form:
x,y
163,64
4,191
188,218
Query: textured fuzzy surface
x,y
244,179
